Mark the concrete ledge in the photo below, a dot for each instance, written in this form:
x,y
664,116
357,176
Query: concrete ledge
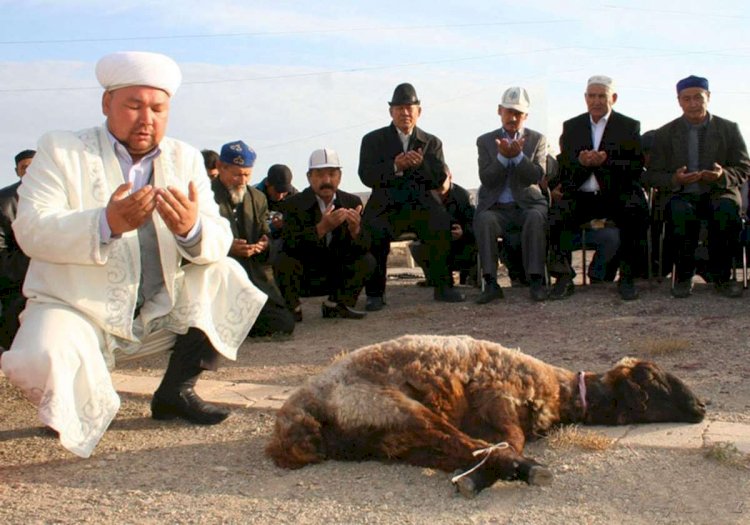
x,y
225,392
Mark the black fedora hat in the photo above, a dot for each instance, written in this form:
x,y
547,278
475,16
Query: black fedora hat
x,y
404,95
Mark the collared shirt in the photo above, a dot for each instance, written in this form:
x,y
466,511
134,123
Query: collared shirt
x,y
139,173
404,138
696,135
597,132
506,196
323,209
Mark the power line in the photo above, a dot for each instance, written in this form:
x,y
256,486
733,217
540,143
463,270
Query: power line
x,y
278,33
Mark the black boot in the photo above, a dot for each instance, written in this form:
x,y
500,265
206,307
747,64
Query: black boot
x,y
176,396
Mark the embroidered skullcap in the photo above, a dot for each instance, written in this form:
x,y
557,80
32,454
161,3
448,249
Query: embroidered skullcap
x,y
692,81
602,80
238,153
138,68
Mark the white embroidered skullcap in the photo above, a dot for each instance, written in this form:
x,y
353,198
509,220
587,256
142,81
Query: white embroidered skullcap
x,y
602,80
138,68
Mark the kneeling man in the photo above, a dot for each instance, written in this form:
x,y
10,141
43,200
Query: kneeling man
x,y
324,251
128,257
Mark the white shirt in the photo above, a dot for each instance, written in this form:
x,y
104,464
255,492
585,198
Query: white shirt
x,y
404,138
597,132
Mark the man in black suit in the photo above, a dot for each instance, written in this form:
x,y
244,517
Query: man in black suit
x,y
13,262
600,185
324,251
463,254
701,161
402,164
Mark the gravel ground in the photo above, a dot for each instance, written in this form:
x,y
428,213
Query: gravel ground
x,y
146,471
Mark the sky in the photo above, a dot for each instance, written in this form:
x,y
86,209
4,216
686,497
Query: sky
x,y
288,77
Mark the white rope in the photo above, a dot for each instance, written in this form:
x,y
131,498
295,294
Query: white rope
x,y
487,451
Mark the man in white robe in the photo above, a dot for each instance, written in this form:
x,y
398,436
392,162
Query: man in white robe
x,y
128,257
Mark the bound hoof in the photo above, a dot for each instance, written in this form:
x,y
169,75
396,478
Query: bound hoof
x,y
465,486
540,475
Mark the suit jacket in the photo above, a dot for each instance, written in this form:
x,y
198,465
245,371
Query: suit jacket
x,y
13,262
301,241
723,144
377,171
61,201
524,184
254,226
621,172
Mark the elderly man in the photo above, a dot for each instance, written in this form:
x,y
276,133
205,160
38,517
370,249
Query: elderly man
x,y
13,262
600,186
512,163
246,210
702,161
402,164
128,257
324,249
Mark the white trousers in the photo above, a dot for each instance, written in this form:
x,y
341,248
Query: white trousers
x,y
59,359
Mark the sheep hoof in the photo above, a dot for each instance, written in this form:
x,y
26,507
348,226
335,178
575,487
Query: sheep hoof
x,y
539,475
465,486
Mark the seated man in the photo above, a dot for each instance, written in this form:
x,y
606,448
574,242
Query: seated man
x,y
600,185
402,163
324,249
512,161
701,161
128,257
463,253
247,212
13,262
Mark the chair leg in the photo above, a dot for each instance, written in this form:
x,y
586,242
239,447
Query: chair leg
x,y
583,256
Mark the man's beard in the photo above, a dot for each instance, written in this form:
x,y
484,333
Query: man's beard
x,y
237,194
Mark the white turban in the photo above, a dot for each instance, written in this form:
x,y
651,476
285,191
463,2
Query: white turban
x,y
138,68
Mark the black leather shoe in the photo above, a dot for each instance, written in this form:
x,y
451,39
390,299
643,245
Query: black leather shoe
x,y
731,289
538,291
627,290
491,292
682,289
448,294
340,310
187,405
562,289
374,303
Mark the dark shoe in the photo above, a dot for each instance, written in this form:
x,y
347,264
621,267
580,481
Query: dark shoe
x,y
627,290
374,304
682,289
187,405
340,310
538,291
731,289
448,294
491,292
562,289
297,312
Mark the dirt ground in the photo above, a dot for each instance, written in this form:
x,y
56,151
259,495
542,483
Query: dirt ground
x,y
146,471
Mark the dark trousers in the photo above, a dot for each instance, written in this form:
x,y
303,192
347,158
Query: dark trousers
x,y
340,279
462,256
432,224
273,318
13,304
684,215
629,213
